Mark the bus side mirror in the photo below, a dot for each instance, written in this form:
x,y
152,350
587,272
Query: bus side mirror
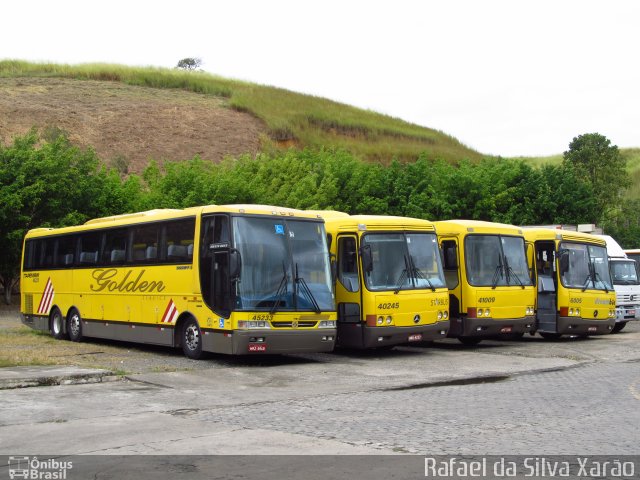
x,y
334,267
235,264
564,262
367,258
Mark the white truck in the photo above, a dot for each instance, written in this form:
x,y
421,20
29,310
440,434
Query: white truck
x,y
624,273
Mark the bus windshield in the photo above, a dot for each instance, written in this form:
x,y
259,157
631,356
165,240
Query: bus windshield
x,y
403,261
496,260
285,265
624,272
586,267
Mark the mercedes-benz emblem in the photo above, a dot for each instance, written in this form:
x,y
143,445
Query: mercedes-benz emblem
x,y
416,319
595,313
294,324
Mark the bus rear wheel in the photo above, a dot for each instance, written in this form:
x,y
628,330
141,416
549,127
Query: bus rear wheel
x,y
56,325
618,327
192,339
74,326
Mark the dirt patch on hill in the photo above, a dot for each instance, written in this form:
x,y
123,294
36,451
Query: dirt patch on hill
x,y
128,122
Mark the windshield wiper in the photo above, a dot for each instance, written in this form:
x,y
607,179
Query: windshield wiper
x,y
510,272
403,276
282,290
602,281
417,273
497,274
307,291
591,276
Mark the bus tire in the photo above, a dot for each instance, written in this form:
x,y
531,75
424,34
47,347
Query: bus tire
x,y
618,327
56,324
470,341
191,339
74,326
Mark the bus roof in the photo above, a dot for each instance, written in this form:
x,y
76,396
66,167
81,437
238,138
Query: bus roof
x,y
169,214
342,221
540,233
456,227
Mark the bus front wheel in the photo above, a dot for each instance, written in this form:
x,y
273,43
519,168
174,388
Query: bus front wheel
x,y
618,327
191,339
74,326
57,324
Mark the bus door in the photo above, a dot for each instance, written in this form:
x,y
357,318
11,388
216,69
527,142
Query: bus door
x,y
215,281
546,275
348,292
451,266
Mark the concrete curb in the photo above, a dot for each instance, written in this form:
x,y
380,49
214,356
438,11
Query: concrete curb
x,y
40,376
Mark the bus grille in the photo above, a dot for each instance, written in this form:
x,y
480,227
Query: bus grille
x,y
28,304
290,324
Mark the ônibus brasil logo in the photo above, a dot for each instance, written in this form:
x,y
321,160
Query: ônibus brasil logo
x,y
32,468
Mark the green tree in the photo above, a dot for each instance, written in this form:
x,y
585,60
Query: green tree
x,y
601,164
51,183
189,63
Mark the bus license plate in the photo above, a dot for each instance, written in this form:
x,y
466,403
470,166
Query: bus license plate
x,y
505,330
593,329
415,338
257,347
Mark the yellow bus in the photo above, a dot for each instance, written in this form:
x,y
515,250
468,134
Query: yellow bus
x,y
575,292
389,286
234,279
490,290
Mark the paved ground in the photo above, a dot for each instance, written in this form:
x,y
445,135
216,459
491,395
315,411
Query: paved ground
x,y
570,396
529,397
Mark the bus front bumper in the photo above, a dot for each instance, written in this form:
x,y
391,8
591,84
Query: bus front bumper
x,y
256,342
583,326
489,327
374,337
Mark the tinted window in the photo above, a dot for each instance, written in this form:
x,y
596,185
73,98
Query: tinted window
x,y
115,247
179,241
89,248
66,251
146,243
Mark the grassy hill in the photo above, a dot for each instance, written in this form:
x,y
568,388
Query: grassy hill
x,y
287,119
131,114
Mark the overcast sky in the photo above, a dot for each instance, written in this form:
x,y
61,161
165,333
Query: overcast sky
x,y
505,77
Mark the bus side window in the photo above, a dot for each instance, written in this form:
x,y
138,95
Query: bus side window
x,y
66,251
145,243
115,248
450,251
348,263
90,248
179,240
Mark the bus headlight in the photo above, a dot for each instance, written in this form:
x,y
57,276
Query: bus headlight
x,y
571,311
252,324
577,312
487,312
327,324
480,312
389,319
380,321
445,315
439,315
